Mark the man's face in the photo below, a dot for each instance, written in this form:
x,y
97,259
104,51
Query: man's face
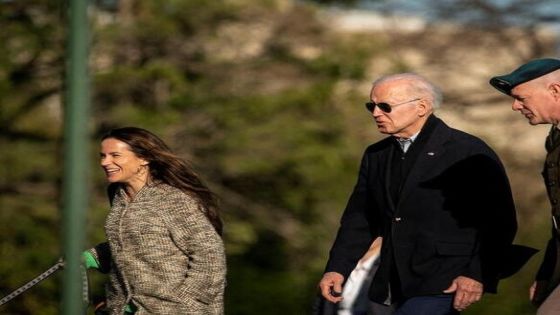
x,y
404,120
535,101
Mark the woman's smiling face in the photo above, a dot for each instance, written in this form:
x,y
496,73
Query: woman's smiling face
x,y
120,164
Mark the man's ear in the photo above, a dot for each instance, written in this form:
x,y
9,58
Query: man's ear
x,y
422,108
554,89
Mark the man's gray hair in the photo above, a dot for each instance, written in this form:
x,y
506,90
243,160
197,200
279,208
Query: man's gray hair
x,y
418,85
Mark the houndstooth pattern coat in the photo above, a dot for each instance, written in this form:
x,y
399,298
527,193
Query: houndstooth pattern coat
x,y
162,254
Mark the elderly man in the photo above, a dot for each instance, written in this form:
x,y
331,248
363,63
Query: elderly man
x,y
535,88
440,199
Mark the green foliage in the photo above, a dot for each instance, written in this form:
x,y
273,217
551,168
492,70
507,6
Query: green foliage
x,y
264,130
259,95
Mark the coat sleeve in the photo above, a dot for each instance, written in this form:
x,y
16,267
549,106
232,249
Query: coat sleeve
x,y
544,278
549,261
102,255
102,251
193,234
357,229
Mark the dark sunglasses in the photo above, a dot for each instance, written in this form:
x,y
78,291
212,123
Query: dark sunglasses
x,y
384,106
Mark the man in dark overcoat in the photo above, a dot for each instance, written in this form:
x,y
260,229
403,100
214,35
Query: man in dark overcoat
x,y
439,197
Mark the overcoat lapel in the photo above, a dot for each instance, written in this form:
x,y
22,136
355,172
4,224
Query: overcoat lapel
x,y
388,175
429,157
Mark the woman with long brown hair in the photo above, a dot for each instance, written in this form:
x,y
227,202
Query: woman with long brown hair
x,y
164,250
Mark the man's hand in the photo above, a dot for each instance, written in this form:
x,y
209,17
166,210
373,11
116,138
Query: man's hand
x,y
467,291
331,283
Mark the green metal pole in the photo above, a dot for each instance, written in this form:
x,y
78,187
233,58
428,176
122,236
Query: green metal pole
x,y
75,155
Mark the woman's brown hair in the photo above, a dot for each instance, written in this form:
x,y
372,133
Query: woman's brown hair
x,y
167,167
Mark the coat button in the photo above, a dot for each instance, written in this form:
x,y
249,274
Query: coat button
x,y
398,219
554,201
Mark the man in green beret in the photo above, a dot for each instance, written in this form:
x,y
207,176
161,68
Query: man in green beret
x,y
535,89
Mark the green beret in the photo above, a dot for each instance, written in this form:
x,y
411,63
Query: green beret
x,y
527,72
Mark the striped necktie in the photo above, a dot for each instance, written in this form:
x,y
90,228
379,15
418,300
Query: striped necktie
x,y
404,143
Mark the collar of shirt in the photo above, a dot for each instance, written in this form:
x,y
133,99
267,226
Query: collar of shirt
x,y
406,142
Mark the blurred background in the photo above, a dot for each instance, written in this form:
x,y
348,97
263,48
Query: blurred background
x,y
265,97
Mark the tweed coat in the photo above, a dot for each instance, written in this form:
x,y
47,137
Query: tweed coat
x,y
162,254
454,216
